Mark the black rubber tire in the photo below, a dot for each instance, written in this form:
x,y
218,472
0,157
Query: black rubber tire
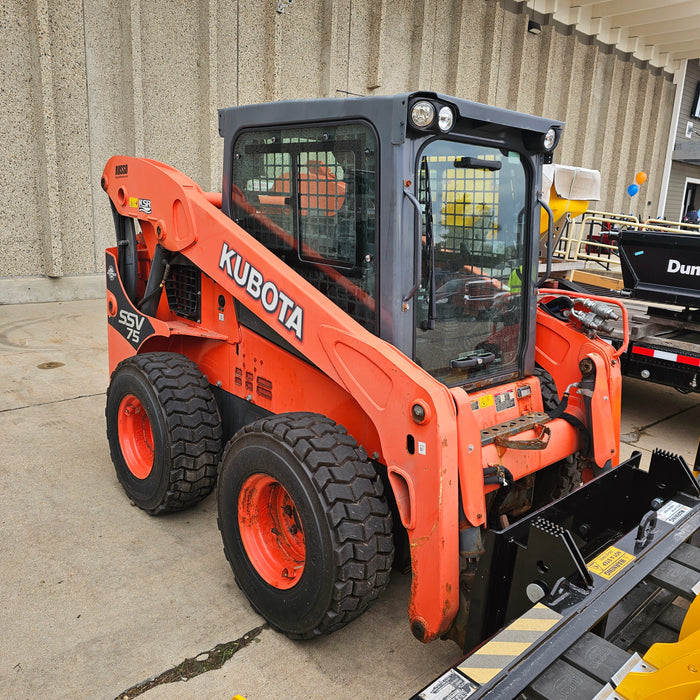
x,y
570,476
550,396
557,480
339,503
186,430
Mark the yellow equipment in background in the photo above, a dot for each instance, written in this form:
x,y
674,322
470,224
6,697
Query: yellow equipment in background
x,y
669,671
568,191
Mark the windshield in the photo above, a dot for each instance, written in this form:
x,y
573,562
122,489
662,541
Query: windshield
x,y
469,307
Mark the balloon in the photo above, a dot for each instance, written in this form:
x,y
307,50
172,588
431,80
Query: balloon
x,y
641,177
632,190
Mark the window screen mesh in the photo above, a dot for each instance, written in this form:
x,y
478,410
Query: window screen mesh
x,y
308,195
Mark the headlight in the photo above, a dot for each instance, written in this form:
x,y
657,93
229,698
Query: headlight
x,y
422,114
550,139
545,143
446,118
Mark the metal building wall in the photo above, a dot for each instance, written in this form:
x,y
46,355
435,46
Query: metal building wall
x,y
83,80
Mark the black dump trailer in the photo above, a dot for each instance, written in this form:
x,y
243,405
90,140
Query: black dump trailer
x,y
662,268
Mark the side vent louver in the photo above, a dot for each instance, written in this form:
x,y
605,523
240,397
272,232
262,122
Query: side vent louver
x,y
183,289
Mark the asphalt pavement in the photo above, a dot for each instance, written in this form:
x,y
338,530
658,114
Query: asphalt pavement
x,y
100,600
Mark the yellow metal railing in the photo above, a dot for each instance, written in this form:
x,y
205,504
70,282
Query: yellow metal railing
x,y
576,243
664,225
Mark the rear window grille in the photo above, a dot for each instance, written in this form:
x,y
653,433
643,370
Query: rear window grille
x,y
183,288
352,304
309,196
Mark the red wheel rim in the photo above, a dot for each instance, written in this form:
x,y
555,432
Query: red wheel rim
x,y
135,436
271,531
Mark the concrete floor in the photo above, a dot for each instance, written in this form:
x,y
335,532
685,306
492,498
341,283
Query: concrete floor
x,y
96,596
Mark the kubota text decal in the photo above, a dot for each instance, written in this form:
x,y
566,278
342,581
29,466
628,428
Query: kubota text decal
x,y
274,301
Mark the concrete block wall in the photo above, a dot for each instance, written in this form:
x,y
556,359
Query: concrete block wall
x,y
82,81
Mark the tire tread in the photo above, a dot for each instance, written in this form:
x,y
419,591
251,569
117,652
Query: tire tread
x,y
352,496
192,421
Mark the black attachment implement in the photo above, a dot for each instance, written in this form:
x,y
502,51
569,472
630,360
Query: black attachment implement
x,y
600,565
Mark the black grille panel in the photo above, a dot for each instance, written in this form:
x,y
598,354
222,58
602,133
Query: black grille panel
x,y
183,289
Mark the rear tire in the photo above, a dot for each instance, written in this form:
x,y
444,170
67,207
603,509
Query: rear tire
x,y
164,431
304,523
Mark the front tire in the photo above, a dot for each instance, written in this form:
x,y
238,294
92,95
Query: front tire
x,y
561,478
550,395
164,431
304,523
557,480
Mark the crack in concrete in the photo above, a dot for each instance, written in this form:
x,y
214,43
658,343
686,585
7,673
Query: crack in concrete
x,y
639,431
673,415
201,663
50,403
631,438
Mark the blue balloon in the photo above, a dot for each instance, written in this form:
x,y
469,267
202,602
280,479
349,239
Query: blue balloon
x,y
632,189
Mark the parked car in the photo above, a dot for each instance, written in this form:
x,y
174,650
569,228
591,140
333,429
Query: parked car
x,y
469,295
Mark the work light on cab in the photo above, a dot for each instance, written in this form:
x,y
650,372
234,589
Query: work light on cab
x,y
446,118
550,139
423,114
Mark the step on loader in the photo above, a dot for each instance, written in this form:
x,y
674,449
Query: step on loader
x,y
353,344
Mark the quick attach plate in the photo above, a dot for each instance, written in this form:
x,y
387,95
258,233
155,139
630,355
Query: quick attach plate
x,y
603,521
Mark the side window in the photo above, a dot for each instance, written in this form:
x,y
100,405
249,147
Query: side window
x,y
308,195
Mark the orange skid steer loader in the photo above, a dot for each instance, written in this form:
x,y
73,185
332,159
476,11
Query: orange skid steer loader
x,y
285,341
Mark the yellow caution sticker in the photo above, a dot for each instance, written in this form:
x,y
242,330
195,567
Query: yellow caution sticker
x,y
610,562
133,202
486,401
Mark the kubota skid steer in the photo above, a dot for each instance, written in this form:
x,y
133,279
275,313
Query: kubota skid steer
x,y
334,340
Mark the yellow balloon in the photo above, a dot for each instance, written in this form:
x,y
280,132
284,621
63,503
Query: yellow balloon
x,y
641,177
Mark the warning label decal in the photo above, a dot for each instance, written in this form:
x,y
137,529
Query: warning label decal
x,y
486,401
672,512
610,562
450,686
504,400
